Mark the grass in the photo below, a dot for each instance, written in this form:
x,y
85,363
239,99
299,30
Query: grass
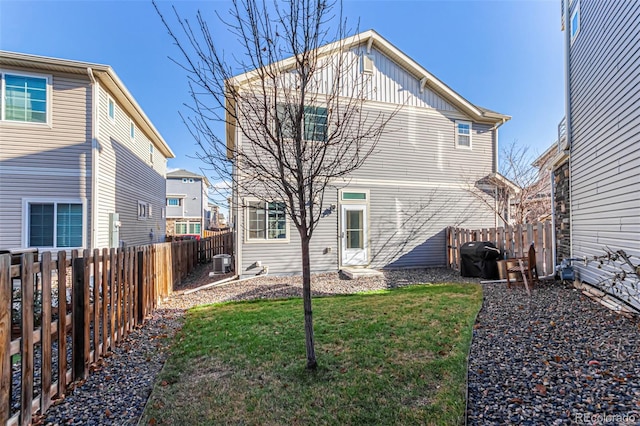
x,y
391,357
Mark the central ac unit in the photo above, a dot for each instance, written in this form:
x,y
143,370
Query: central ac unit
x,y
221,263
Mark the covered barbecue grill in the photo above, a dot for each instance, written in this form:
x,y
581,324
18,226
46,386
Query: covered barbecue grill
x,y
479,259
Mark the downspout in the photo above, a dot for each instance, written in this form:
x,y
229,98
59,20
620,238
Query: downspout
x,y
495,170
553,221
94,158
567,110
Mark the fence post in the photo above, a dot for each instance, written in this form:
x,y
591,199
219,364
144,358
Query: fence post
x,y
62,322
77,331
141,292
5,337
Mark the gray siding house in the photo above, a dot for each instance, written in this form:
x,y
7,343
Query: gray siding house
x,y
393,211
81,165
599,147
187,203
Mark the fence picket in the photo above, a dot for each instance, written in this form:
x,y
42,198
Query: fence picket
x,y
128,284
45,329
5,338
27,373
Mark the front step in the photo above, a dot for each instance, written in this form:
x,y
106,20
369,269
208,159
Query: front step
x,y
355,273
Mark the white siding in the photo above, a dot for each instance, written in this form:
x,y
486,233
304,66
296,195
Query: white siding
x,y
605,163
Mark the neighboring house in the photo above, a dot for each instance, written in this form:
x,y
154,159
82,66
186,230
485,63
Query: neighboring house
x,y
394,210
81,165
187,203
598,160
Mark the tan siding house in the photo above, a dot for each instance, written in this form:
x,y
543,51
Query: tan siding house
x,y
69,159
408,191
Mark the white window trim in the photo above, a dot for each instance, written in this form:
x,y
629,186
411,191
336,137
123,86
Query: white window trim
x,y
265,240
37,200
147,210
458,146
111,100
132,130
576,10
151,152
49,95
275,114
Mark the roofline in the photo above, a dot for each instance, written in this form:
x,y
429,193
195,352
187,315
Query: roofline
x,y
375,39
191,175
499,178
105,74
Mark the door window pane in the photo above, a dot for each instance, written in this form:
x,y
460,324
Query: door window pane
x,y
354,229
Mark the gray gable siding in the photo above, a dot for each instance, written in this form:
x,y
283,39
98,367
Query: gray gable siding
x,y
605,155
47,162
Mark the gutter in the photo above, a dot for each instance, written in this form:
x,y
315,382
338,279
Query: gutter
x,y
94,157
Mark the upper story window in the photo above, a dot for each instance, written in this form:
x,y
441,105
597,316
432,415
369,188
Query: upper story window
x,y
111,109
25,98
187,180
266,221
174,201
575,21
151,153
144,210
132,130
315,123
54,224
463,134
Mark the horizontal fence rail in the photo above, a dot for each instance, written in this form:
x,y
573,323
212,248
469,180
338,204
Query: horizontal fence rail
x,y
61,313
513,241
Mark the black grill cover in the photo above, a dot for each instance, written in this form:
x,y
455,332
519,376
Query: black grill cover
x,y
479,259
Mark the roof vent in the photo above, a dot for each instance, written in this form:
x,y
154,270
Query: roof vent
x,y
367,64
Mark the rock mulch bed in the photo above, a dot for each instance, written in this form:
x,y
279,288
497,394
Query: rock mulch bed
x,y
116,392
553,358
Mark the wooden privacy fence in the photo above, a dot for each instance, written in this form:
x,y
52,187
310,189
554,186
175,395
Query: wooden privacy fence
x,y
514,241
58,316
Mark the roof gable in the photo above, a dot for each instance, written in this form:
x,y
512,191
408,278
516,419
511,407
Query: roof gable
x,y
370,42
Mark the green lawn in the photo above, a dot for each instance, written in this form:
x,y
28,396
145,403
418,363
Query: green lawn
x,y
391,357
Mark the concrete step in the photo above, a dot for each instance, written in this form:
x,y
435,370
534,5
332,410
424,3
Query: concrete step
x,y
355,273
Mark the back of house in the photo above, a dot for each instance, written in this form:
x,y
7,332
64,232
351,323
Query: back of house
x,y
81,166
393,211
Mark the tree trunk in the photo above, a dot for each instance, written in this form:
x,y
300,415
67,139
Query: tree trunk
x,y
306,298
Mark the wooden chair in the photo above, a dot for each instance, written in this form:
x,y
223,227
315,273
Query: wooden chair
x,y
524,269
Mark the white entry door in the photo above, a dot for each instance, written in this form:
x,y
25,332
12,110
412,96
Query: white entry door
x,y
354,235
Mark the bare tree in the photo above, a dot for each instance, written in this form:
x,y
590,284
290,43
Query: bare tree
x,y
521,193
294,115
619,275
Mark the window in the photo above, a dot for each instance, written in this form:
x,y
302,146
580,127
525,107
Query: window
x,y
55,224
315,124
463,134
25,98
185,180
111,109
192,228
144,210
132,130
575,22
266,221
151,153
354,196
181,228
174,201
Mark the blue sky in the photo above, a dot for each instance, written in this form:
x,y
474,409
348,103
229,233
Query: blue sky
x,y
503,55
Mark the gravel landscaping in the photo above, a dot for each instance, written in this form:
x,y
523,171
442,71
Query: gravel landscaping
x,y
553,358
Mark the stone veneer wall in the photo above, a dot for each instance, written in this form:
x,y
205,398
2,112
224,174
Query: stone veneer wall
x,y
562,205
171,226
